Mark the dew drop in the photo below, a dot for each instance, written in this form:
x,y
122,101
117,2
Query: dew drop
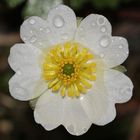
x,y
32,21
100,20
47,30
85,129
31,31
24,38
117,55
65,36
102,55
93,23
58,21
70,128
105,41
18,72
19,91
81,29
103,29
125,90
120,46
33,39
41,29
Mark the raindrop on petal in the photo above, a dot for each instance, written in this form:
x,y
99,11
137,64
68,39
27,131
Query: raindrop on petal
x,y
70,128
65,36
105,41
125,90
93,23
32,21
41,29
47,30
102,55
103,29
58,21
18,72
117,55
101,20
120,46
33,39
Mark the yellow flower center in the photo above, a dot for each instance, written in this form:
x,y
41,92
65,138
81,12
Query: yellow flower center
x,y
69,68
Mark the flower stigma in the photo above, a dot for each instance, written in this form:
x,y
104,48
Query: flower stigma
x,y
69,68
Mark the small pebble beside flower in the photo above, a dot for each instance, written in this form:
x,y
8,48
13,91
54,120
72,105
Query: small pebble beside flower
x,y
68,70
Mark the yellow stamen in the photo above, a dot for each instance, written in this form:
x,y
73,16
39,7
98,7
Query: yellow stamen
x,y
67,69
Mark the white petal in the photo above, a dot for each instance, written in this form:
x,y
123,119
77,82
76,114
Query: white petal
x,y
90,32
98,106
23,56
59,27
27,85
74,117
48,110
116,53
62,21
35,31
52,110
118,85
95,32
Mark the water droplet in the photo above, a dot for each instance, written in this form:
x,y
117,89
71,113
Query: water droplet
x,y
33,39
19,91
47,30
127,52
102,55
70,128
93,23
101,20
117,55
41,29
81,29
31,31
24,38
125,90
103,29
85,129
120,38
18,72
81,98
105,41
58,21
32,21
65,36
40,43
120,46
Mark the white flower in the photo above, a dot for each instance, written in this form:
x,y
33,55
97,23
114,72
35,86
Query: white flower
x,y
69,70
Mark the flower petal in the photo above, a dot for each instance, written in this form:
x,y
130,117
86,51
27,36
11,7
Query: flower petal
x,y
118,85
23,56
116,53
95,32
35,31
75,118
90,31
98,106
27,85
48,110
63,23
69,113
60,26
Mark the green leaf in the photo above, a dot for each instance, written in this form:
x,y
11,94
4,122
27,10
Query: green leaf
x,y
77,4
14,3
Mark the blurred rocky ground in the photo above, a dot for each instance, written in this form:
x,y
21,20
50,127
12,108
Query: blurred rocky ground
x,y
16,117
